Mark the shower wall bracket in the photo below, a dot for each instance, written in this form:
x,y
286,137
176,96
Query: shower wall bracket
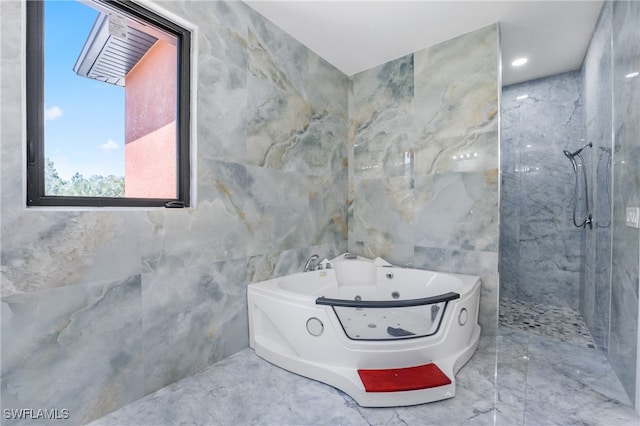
x,y
633,217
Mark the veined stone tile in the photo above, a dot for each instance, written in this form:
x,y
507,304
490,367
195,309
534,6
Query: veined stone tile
x,y
382,120
540,247
381,216
41,258
626,152
287,131
482,264
71,345
456,103
194,313
240,212
233,392
457,211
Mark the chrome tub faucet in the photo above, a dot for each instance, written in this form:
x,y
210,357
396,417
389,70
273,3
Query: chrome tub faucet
x,y
312,263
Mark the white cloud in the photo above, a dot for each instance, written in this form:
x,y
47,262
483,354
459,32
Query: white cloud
x,y
109,145
53,113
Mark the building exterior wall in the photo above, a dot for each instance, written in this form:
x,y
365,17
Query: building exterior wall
x,y
150,124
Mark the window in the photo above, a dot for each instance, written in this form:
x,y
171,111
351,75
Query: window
x,y
108,105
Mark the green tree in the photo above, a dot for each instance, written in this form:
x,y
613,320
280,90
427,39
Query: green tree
x,y
79,186
53,184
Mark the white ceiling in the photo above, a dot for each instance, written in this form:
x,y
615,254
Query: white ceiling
x,y
358,35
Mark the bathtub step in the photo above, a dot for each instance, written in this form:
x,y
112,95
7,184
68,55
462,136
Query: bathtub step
x,y
403,379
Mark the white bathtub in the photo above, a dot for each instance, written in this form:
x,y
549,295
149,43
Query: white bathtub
x,y
386,336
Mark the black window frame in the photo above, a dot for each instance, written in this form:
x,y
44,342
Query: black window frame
x,y
35,113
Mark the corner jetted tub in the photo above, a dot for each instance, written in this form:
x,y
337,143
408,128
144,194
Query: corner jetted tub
x,y
386,336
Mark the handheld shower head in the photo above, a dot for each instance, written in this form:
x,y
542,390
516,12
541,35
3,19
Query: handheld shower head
x,y
573,154
570,157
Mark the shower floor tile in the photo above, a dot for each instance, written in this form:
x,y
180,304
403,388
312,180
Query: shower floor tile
x,y
556,322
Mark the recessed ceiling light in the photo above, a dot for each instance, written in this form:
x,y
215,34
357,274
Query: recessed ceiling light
x,y
632,74
519,62
521,97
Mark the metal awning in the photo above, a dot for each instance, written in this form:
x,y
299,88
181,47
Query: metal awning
x,y
109,58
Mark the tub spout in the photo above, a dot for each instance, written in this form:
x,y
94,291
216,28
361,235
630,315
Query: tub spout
x,y
312,263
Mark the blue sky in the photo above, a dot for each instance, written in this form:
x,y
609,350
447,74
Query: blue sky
x,y
84,118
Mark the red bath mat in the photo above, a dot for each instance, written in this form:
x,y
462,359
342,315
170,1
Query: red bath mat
x,y
403,379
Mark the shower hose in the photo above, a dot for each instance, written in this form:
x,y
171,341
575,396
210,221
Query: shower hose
x,y
588,219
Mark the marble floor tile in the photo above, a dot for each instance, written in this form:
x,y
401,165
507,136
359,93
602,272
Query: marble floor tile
x,y
550,372
568,383
243,389
539,380
511,377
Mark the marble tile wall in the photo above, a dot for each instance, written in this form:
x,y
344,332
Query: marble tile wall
x,y
595,297
423,161
540,248
623,341
102,307
603,260
609,300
